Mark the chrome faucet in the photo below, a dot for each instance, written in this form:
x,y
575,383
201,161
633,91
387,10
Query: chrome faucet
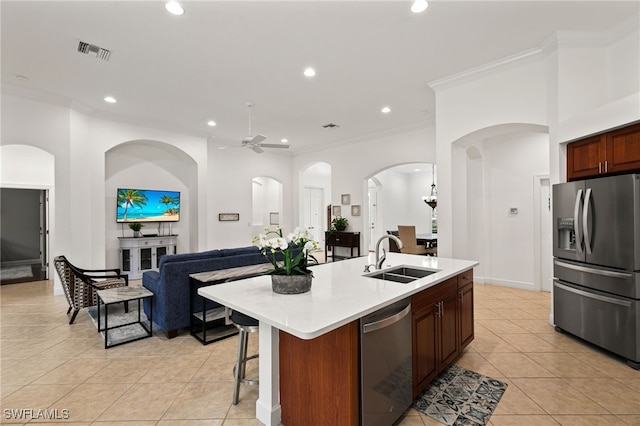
x,y
380,260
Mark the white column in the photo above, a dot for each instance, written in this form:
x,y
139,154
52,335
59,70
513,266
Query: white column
x,y
268,409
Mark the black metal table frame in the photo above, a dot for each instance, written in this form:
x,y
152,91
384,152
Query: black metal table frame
x,y
106,328
200,326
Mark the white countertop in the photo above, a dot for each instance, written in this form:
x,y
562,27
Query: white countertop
x,y
340,293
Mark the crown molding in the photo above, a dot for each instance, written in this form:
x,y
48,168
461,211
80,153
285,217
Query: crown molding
x,y
557,40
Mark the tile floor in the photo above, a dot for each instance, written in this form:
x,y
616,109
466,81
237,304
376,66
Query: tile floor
x,y
47,364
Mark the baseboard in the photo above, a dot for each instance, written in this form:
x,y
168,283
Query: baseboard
x,y
504,283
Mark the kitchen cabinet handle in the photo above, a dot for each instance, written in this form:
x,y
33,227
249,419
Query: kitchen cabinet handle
x,y
377,325
461,297
599,166
603,272
606,166
585,219
615,301
576,218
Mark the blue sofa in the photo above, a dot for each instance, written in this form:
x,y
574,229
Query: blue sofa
x,y
170,284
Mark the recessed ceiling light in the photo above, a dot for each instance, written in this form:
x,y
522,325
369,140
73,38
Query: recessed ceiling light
x,y
110,99
309,72
386,110
419,6
174,8
211,123
284,140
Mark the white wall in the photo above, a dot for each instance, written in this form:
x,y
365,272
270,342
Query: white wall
x,y
354,163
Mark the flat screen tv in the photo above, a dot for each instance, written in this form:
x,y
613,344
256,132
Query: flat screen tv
x,y
147,205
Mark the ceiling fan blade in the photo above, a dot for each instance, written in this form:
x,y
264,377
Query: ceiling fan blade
x,y
257,149
258,138
274,145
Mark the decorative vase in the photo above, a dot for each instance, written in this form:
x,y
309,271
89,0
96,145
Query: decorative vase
x,y
137,234
291,284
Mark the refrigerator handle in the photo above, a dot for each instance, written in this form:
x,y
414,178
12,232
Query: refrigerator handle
x,y
576,217
585,222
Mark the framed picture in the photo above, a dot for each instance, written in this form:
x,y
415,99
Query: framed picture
x,y
337,211
274,218
226,217
345,199
355,210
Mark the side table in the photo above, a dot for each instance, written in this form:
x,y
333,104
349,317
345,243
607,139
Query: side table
x,y
210,325
112,296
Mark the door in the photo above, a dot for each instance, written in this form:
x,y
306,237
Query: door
x,y
313,211
612,212
567,220
373,217
23,226
546,239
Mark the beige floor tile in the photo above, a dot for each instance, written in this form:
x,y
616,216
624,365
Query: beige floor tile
x,y
539,312
501,326
25,371
205,400
565,342
173,369
564,365
630,420
215,368
527,342
87,401
523,420
515,402
474,361
143,401
27,348
609,365
242,422
516,365
486,313
556,396
632,381
73,371
125,370
5,391
513,313
609,393
489,343
191,422
36,398
538,326
589,420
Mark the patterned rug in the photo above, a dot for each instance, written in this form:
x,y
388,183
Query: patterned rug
x,y
117,316
460,397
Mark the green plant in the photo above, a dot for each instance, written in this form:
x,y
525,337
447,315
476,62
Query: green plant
x,y
290,255
339,223
135,226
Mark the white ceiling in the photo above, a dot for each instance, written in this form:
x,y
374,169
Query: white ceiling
x,y
178,72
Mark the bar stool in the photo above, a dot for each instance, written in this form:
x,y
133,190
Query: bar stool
x,y
245,324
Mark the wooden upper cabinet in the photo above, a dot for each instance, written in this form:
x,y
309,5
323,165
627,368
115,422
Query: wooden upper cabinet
x,y
623,150
613,152
585,158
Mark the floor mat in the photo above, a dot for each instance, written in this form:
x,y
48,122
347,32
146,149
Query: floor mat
x,y
460,397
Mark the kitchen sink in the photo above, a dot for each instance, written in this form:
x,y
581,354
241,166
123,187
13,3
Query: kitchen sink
x,y
401,274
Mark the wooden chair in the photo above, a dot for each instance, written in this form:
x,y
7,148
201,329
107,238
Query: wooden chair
x,y
407,235
80,285
393,246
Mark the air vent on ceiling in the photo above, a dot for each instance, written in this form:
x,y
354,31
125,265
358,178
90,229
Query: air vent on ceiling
x,y
330,126
98,51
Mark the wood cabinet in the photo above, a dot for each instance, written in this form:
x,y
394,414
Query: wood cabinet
x,y
442,326
335,239
320,384
138,255
465,308
614,152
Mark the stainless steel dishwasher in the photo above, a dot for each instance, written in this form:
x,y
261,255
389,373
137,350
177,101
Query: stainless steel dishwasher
x,y
385,364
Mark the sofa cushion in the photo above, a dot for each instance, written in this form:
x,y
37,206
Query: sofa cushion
x,y
181,257
239,251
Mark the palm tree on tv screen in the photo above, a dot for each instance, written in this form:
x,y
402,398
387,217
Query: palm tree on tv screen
x,y
131,197
168,200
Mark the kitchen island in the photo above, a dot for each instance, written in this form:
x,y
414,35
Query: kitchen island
x,y
341,294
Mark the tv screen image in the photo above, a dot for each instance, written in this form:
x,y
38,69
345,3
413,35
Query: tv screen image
x,y
147,205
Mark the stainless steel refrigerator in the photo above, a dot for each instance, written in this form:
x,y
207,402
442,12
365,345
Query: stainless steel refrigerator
x,y
596,248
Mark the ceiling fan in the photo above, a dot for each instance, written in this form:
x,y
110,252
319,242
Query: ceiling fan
x,y
255,142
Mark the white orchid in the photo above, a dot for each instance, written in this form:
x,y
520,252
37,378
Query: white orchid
x,y
289,255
